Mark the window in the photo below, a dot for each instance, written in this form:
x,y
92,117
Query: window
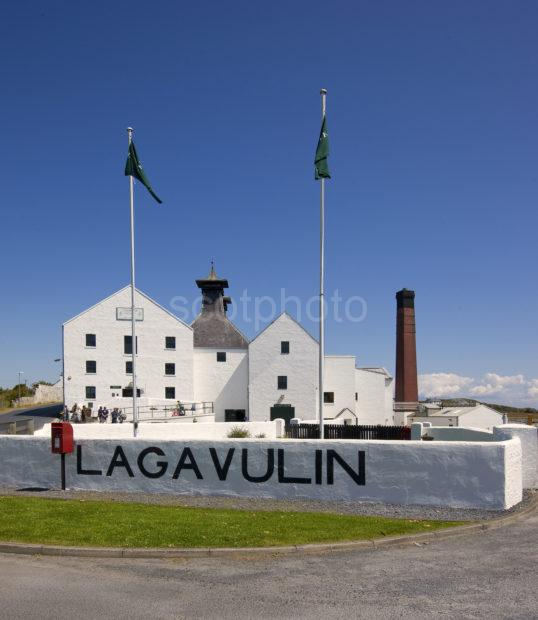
x,y
284,347
128,392
128,345
282,382
128,368
169,369
90,340
90,392
91,367
221,356
170,342
356,396
328,397
169,392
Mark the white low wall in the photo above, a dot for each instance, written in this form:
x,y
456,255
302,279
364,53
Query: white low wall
x,y
171,430
528,435
457,433
475,475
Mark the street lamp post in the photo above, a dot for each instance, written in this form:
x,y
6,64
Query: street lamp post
x,y
20,373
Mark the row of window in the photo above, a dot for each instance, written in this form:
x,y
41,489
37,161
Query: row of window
x,y
170,343
91,392
91,368
170,392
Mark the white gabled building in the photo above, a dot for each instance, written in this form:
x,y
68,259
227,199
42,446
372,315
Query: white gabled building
x,y
211,361
283,372
97,354
475,416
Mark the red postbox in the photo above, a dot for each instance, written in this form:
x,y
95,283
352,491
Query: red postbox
x,y
61,438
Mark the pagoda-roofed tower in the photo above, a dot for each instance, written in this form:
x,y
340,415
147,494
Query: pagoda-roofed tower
x,y
212,328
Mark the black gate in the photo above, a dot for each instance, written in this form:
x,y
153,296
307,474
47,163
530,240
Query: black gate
x,y
234,415
341,431
286,412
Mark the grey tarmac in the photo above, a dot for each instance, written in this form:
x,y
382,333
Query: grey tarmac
x,y
492,574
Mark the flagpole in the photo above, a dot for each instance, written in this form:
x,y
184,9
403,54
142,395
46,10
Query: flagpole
x,y
323,94
133,322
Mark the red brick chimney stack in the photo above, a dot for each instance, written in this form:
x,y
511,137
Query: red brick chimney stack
x,y
406,396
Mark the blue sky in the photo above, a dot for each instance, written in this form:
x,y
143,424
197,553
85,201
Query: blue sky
x,y
434,144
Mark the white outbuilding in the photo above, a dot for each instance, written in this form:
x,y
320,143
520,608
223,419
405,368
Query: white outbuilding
x,y
476,416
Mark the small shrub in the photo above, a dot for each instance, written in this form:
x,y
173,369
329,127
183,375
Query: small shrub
x,y
238,432
260,436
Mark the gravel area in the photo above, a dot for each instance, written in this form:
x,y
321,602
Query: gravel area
x,y
298,505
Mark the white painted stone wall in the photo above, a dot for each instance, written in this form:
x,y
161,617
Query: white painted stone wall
x,y
44,394
459,433
374,397
481,416
528,436
110,357
173,430
474,475
223,383
266,363
340,379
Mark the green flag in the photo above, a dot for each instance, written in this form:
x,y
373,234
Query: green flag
x,y
322,153
133,168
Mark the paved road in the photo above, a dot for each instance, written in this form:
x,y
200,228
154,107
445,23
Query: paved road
x,y
489,575
41,415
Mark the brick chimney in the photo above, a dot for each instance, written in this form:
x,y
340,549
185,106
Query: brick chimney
x,y
406,396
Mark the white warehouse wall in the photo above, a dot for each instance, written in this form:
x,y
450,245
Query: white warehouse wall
x,y
300,365
374,397
110,358
223,383
339,377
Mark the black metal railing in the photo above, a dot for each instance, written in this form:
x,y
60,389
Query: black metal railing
x,y
345,431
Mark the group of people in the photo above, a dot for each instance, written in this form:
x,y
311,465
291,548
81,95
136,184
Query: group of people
x,y
116,416
83,414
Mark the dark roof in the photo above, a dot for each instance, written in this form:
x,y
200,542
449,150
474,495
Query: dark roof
x,y
215,330
212,328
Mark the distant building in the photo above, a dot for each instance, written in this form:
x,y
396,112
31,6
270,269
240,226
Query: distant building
x,y
211,361
477,416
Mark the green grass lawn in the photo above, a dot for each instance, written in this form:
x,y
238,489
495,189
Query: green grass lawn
x,y
112,524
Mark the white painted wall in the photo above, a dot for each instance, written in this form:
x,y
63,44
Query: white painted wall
x,y
266,363
451,421
474,475
481,416
374,397
110,358
340,379
528,437
223,383
173,430
458,433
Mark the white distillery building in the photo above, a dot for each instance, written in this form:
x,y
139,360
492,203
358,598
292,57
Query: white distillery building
x,y
211,366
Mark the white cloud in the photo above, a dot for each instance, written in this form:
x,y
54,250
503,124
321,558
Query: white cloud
x,y
514,390
504,380
488,388
494,384
442,384
532,389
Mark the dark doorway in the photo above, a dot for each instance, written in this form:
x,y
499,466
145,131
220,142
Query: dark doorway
x,y
286,412
235,415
